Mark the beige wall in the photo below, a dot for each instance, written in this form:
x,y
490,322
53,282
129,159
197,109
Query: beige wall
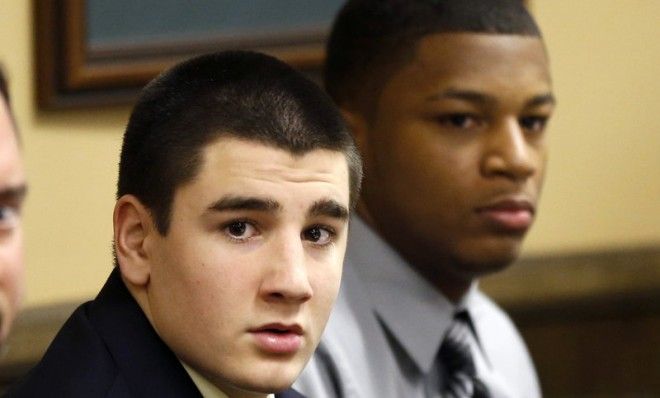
x,y
71,162
603,186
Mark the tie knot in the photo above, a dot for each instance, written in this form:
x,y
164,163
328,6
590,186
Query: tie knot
x,y
462,316
456,357
455,349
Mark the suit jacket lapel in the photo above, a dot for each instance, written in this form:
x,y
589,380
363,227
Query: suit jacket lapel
x,y
149,367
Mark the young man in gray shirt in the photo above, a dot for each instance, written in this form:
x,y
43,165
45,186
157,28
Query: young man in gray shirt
x,y
448,101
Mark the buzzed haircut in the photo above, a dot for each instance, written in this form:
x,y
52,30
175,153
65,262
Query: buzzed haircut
x,y
371,39
237,94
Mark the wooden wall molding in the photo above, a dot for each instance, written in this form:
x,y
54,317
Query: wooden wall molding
x,y
591,320
628,279
73,73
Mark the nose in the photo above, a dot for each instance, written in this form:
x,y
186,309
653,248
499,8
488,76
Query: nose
x,y
287,278
509,152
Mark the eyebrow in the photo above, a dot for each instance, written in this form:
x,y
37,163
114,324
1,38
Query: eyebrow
x,y
323,207
244,203
542,99
465,95
13,193
329,208
483,99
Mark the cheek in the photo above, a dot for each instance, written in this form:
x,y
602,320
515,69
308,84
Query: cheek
x,y
11,269
218,284
325,280
326,286
210,299
543,163
430,172
186,277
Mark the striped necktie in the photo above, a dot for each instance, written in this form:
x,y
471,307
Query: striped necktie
x,y
459,371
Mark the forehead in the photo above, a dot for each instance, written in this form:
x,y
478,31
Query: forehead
x,y
475,61
238,166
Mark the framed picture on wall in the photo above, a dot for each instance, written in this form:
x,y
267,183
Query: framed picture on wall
x,y
97,52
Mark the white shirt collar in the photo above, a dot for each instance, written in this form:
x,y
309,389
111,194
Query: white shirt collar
x,y
205,387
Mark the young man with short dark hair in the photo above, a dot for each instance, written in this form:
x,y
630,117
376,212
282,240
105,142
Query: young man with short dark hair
x,y
448,102
236,179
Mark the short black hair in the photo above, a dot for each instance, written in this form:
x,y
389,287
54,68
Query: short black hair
x,y
237,94
371,39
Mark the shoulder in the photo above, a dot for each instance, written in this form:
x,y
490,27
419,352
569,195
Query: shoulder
x,y
353,341
76,364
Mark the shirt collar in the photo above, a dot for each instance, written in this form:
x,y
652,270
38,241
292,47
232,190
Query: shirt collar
x,y
415,313
205,387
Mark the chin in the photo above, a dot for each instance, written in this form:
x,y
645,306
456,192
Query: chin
x,y
273,377
489,259
267,384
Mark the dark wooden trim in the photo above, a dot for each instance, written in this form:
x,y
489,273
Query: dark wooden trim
x,y
70,73
591,320
45,50
572,284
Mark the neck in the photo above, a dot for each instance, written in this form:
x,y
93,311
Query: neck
x,y
437,271
453,287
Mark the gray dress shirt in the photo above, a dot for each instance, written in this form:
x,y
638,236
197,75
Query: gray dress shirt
x,y
387,326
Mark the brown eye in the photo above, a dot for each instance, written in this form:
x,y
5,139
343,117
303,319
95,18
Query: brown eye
x,y
318,235
237,229
459,120
240,230
534,123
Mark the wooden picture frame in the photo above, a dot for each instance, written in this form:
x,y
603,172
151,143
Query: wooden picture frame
x,y
72,73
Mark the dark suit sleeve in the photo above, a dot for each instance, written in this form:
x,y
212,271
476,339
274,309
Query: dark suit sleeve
x,y
290,393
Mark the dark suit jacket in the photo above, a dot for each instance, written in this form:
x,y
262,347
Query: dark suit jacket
x,y
108,348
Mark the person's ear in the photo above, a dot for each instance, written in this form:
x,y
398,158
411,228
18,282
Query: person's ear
x,y
133,228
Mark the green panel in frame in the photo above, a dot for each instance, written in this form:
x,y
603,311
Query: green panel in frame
x,y
96,52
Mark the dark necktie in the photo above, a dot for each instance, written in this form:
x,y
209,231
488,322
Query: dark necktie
x,y
460,374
